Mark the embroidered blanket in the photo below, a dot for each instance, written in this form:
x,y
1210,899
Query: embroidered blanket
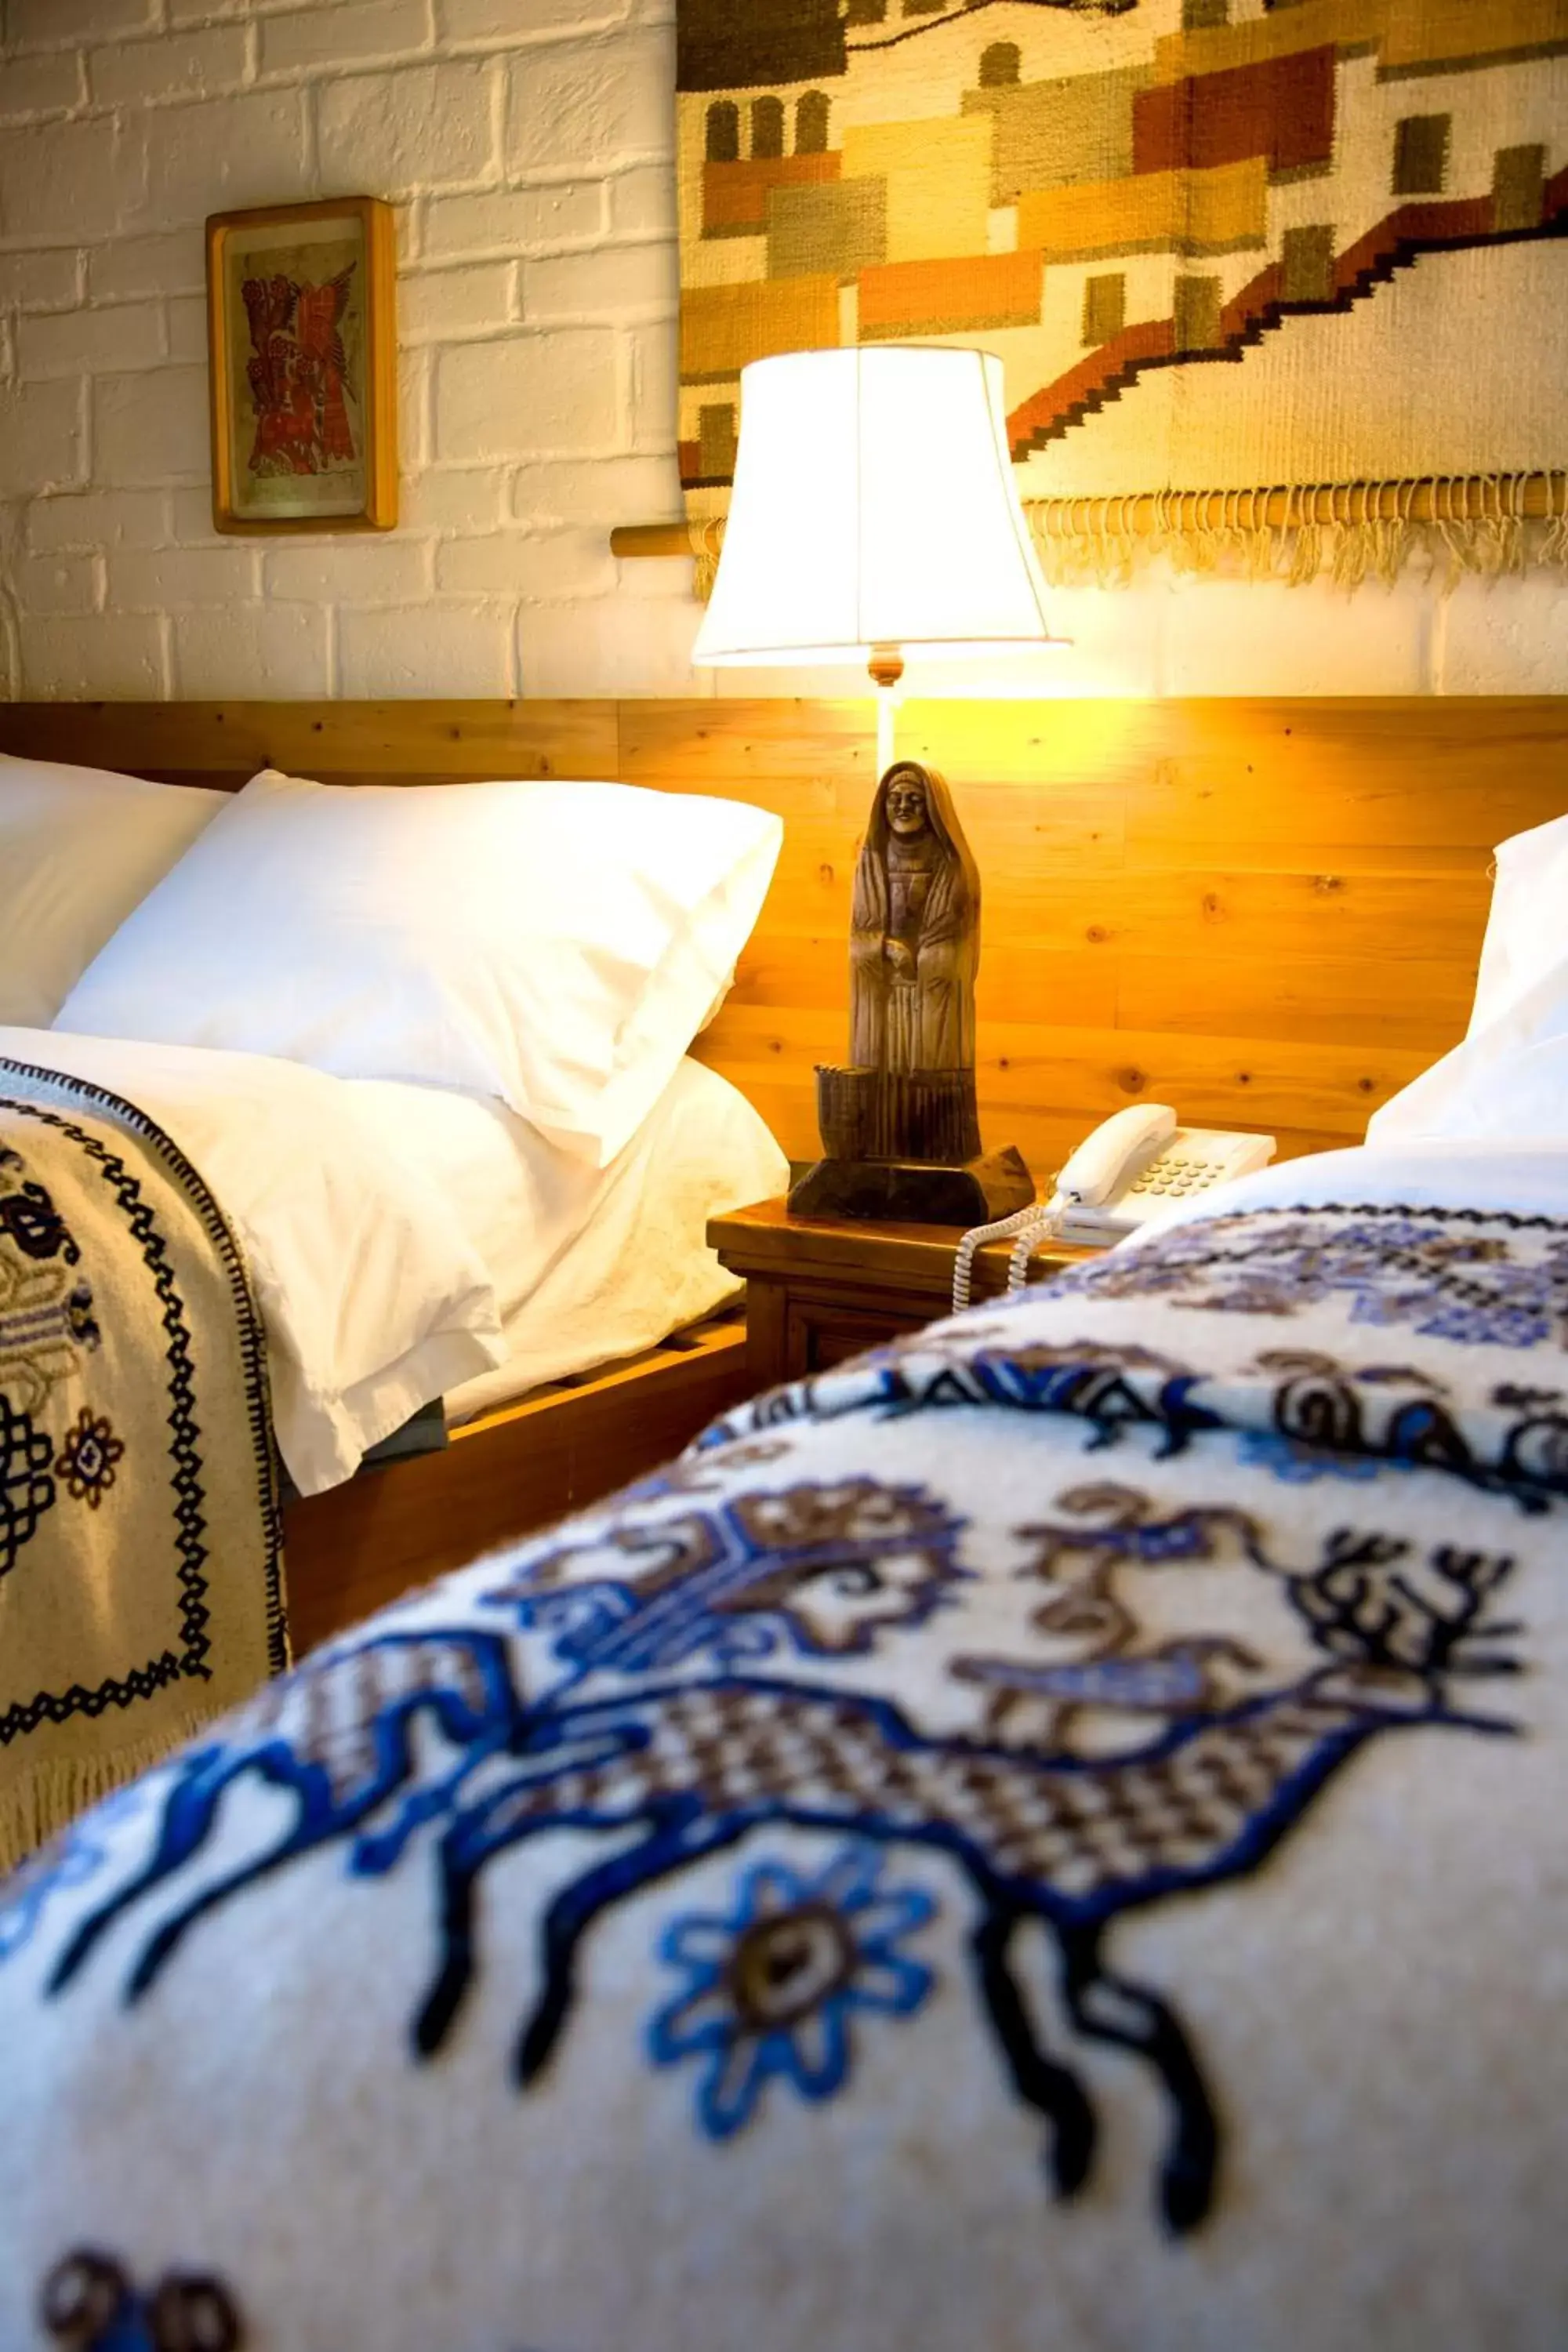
x,y
1048,1837
138,1525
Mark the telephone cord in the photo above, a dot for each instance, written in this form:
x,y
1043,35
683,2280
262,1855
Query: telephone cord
x,y
1032,1226
1034,1236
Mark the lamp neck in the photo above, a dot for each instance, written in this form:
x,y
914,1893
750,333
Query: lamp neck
x,y
887,668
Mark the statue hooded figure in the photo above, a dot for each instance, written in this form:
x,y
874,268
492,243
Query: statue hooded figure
x,y
914,939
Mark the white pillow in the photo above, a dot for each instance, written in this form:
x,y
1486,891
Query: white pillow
x,y
556,944
1528,924
1507,1082
79,848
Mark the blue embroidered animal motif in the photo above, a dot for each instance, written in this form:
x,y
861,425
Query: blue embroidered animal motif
x,y
1077,1558
819,1566
816,1564
654,1737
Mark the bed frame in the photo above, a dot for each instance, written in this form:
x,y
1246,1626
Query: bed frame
x,y
502,1475
1268,912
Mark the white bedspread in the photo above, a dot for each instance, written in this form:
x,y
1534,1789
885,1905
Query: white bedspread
x,y
373,1296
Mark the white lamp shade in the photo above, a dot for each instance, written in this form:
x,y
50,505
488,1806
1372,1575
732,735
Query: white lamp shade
x,y
874,507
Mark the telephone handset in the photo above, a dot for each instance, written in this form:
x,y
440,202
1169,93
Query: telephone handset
x,y
1138,1163
1106,1162
1141,1162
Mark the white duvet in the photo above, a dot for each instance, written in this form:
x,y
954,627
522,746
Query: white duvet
x,y
373,1294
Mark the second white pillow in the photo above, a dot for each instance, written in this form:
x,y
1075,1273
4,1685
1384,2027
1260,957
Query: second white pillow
x,y
1524,937
556,944
78,846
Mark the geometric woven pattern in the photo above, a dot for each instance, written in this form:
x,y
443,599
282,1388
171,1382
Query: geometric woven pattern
x,y
1215,244
140,1538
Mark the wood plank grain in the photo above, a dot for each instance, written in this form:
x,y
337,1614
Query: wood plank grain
x,y
388,742
1216,1081
1044,1135
1368,782
1268,911
1397,1002
1239,918
706,746
811,971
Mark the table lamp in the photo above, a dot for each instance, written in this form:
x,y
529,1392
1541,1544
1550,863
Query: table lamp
x,y
875,515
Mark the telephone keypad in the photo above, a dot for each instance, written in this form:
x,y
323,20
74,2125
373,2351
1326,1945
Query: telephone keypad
x,y
1175,1177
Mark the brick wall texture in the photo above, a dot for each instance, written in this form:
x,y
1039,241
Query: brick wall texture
x,y
528,146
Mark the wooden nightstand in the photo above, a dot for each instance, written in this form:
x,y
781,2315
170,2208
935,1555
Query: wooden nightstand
x,y
819,1289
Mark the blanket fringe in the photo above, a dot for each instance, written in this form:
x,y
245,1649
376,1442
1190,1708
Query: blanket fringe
x,y
46,1798
1485,525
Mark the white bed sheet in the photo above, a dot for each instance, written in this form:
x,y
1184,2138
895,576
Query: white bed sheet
x,y
374,1297
587,1264
407,1244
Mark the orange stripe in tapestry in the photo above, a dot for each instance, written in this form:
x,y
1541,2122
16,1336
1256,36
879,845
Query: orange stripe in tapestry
x,y
1358,206
949,297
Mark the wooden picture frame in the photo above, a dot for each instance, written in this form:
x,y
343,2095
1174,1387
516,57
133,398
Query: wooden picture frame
x,y
301,330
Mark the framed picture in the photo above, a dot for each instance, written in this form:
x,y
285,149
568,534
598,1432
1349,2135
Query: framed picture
x,y
301,330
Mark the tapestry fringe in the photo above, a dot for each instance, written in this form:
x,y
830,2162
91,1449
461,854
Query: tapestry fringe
x,y
48,1797
1483,524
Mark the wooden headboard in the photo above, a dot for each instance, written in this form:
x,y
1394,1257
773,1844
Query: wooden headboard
x,y
1267,912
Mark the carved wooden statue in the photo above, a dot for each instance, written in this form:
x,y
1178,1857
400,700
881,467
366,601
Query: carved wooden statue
x,y
899,1125
914,936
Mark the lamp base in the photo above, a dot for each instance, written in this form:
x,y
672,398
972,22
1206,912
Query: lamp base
x,y
916,1192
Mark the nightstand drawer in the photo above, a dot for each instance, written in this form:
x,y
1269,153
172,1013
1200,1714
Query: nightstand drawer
x,y
821,1289
817,1337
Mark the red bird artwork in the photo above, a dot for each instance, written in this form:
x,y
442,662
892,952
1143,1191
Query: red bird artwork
x,y
298,373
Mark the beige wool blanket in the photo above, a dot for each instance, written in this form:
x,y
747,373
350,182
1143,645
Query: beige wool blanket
x,y
140,1534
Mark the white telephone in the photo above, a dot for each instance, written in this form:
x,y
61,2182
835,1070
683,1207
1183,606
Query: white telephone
x,y
1138,1163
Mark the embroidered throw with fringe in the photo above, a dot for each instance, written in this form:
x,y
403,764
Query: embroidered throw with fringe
x,y
1280,289
139,1531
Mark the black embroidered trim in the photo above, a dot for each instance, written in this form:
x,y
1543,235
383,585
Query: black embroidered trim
x,y
143,1682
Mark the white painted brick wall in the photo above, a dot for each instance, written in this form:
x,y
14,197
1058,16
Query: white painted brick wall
x,y
528,147
526,144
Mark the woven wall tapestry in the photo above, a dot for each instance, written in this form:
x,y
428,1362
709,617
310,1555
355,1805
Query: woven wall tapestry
x,y
1236,254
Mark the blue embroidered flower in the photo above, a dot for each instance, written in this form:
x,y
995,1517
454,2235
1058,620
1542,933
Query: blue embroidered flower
x,y
771,1986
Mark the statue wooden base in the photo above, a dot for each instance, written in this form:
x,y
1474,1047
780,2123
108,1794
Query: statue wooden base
x,y
904,1147
916,1192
